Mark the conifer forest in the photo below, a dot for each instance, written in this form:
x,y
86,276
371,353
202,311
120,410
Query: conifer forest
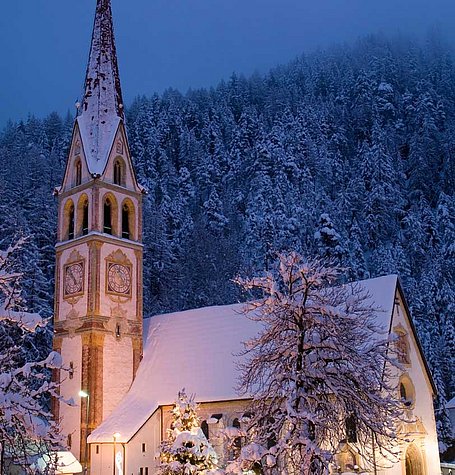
x,y
347,153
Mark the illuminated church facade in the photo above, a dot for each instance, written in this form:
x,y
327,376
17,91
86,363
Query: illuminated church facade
x,y
125,372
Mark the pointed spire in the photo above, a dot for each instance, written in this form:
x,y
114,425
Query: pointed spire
x,y
102,105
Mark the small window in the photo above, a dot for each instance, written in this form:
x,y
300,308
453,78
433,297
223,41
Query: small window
x,y
69,440
78,173
407,391
143,448
146,471
205,429
71,223
107,228
118,172
117,330
97,449
351,429
237,444
71,370
141,471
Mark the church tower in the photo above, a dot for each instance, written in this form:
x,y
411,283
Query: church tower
x,y
98,285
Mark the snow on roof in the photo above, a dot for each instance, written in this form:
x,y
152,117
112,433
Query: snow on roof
x,y
451,404
196,350
66,463
102,106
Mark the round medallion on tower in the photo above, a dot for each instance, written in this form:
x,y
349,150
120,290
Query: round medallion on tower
x,y
119,278
73,276
118,274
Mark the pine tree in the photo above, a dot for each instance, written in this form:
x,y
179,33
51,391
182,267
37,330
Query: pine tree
x,y
186,451
26,426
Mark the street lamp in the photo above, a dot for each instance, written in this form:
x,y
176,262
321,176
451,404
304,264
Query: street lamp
x,y
116,436
85,395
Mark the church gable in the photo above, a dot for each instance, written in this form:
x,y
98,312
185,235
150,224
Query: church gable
x,y
77,171
409,351
119,168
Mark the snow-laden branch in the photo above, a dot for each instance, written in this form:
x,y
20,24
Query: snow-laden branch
x,y
320,360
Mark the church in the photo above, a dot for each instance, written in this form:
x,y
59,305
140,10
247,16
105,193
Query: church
x,y
124,371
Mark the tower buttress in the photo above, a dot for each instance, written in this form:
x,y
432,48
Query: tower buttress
x,y
98,285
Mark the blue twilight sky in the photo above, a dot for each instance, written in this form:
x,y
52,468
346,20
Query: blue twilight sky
x,y
182,43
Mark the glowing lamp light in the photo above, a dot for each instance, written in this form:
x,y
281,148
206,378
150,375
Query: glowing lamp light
x,y
83,394
116,435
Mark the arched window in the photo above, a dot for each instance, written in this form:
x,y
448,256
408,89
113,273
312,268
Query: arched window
x,y
82,216
68,221
78,173
126,222
349,463
110,218
351,429
107,214
413,461
407,391
71,222
118,172
85,219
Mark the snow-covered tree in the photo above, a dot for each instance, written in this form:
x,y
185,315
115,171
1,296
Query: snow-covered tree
x,y
26,427
319,374
186,451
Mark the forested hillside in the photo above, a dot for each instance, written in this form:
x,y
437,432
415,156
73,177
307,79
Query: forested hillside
x,y
347,153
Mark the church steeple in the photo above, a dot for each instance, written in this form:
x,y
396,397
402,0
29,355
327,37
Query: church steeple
x,y
98,283
102,105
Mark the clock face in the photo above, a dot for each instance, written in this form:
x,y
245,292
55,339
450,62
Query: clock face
x,y
119,278
74,278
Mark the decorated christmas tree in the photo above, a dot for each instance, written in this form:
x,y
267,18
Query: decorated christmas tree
x,y
187,451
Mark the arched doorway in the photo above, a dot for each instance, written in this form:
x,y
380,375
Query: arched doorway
x,y
414,464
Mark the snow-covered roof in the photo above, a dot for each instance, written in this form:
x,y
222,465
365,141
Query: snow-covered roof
x,y
66,463
196,350
102,107
451,404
